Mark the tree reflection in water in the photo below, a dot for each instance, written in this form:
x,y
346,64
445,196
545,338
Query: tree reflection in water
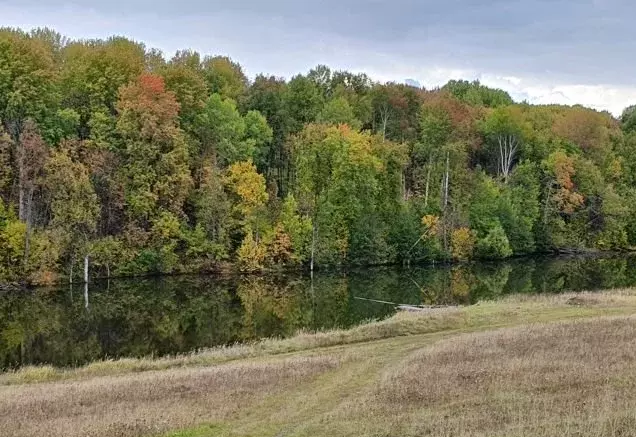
x,y
159,316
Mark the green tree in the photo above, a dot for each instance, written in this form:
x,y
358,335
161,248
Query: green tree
x,y
228,137
27,81
494,245
267,95
297,227
92,73
224,77
303,102
183,76
520,209
628,119
259,136
338,181
477,94
339,111
73,203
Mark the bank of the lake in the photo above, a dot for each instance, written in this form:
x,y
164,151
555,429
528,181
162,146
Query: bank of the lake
x,y
523,365
162,316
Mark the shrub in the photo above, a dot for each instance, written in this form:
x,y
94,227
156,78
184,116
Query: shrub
x,y
462,243
494,245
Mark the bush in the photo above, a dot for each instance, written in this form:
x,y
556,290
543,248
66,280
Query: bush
x,y
495,245
462,243
251,255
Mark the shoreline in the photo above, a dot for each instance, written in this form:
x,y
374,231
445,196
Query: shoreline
x,y
508,311
230,273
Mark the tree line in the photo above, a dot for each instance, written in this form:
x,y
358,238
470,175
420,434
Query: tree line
x,y
146,165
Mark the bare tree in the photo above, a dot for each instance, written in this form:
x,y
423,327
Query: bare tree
x,y
385,113
445,184
508,146
428,178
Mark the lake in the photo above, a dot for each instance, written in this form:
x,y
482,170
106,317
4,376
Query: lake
x,y
65,326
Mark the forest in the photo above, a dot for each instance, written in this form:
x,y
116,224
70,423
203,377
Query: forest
x,y
113,154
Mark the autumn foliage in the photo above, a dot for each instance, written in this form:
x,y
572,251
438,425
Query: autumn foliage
x,y
152,165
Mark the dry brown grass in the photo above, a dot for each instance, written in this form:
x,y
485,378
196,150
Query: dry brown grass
x,y
139,404
575,379
428,373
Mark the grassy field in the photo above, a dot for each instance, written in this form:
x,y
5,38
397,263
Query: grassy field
x,y
523,366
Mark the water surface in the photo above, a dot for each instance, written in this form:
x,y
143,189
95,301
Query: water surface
x,y
64,326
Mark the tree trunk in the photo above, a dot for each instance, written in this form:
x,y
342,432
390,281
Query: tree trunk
x,y
428,179
507,150
27,236
546,206
70,276
444,187
406,186
445,205
313,301
86,269
22,193
21,199
384,115
313,246
447,180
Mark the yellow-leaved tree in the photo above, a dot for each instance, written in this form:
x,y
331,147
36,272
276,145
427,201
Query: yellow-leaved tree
x,y
249,196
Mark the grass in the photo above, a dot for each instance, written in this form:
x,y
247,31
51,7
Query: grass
x,y
568,379
199,431
522,366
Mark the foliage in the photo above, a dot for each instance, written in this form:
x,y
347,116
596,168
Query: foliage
x,y
297,228
106,251
561,167
249,186
339,111
462,243
150,165
73,201
224,77
494,245
251,255
475,93
228,136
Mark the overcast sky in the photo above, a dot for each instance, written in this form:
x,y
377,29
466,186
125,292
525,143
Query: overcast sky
x,y
544,51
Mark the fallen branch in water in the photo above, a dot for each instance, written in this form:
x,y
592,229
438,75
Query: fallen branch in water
x,y
407,307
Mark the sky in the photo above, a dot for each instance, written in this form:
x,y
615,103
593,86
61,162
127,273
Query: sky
x,y
542,51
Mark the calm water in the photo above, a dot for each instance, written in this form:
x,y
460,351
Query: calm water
x,y
158,316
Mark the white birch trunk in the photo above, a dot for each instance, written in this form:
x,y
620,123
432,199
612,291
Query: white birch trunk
x,y
22,194
447,180
313,246
86,269
428,180
507,150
